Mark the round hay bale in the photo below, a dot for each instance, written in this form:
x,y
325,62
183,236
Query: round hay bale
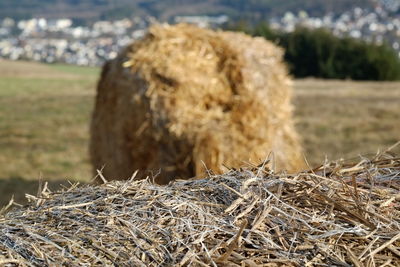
x,y
184,99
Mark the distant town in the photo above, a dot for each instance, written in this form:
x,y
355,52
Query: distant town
x,y
59,40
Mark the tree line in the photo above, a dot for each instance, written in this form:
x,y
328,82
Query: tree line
x,y
318,53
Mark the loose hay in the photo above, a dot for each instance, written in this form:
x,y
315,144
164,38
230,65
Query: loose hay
x,y
189,98
336,215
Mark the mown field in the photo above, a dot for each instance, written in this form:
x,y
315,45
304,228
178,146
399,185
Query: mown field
x,y
45,112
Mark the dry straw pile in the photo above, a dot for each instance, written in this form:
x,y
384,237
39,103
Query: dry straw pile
x,y
335,215
184,98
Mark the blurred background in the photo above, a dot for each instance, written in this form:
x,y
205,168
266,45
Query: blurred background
x,y
344,57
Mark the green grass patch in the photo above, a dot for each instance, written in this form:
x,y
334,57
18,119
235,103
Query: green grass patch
x,y
78,70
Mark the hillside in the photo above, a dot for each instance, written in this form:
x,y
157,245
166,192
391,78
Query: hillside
x,y
88,10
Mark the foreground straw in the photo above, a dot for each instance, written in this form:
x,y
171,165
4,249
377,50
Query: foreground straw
x,y
338,214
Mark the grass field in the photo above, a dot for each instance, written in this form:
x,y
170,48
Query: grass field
x,y
345,119
45,112
44,115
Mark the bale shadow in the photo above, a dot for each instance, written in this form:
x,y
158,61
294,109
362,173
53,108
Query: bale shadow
x,y
18,187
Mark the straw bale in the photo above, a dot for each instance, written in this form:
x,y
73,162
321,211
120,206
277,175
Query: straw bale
x,y
184,98
339,214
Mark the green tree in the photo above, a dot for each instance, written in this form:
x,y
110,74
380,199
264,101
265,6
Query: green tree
x,y
318,53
